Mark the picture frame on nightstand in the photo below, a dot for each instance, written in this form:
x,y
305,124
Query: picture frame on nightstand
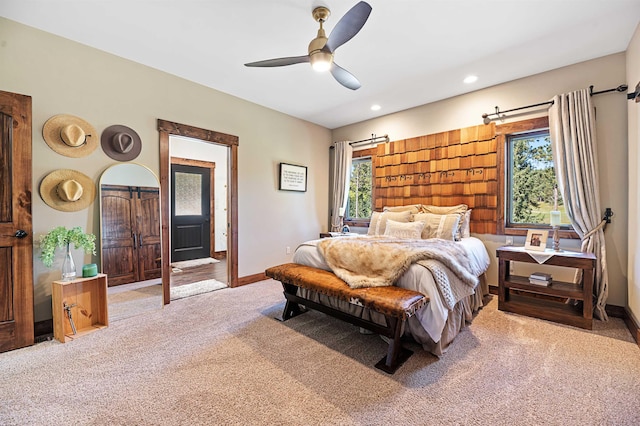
x,y
536,239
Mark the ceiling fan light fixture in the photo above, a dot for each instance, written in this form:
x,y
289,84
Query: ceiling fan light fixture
x,y
321,60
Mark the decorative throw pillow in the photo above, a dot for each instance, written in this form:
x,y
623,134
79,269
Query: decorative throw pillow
x,y
413,208
412,230
466,224
397,216
457,209
373,223
443,226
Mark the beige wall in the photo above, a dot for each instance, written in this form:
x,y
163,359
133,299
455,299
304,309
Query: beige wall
x,y
466,110
633,73
65,77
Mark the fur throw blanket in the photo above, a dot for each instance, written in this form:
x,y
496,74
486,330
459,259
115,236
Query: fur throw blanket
x,y
380,261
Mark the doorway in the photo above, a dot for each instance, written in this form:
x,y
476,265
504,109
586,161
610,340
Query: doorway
x,y
198,217
230,142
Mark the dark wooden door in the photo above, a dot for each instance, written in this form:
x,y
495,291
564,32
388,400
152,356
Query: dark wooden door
x,y
190,215
148,226
16,248
119,255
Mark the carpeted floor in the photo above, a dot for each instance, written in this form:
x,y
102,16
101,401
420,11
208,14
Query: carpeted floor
x,y
221,359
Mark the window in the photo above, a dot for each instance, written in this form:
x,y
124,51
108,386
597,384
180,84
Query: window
x,y
530,181
360,204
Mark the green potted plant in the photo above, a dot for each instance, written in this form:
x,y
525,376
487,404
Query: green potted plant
x,y
61,237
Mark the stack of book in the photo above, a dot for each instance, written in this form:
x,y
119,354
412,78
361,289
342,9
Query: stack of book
x,y
540,278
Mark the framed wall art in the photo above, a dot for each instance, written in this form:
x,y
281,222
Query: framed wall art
x,y
536,239
292,178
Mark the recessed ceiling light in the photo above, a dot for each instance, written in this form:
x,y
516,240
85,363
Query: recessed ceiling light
x,y
470,79
375,107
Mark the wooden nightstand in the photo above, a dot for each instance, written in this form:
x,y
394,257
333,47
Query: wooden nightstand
x,y
553,307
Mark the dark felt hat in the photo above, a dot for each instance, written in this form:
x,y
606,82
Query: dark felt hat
x,y
121,143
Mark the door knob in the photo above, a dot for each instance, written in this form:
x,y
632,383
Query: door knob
x,y
20,234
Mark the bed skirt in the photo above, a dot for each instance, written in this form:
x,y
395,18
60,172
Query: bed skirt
x,y
458,318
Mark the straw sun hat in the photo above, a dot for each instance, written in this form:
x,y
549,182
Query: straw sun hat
x,y
70,136
67,190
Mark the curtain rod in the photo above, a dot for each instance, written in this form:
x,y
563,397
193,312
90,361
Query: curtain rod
x,y
487,120
372,139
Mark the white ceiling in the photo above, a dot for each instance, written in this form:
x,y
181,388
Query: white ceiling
x,y
409,53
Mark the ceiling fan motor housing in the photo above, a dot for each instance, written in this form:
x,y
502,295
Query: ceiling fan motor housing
x,y
320,59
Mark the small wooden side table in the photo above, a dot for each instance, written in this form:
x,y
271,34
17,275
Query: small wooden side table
x,y
87,302
551,308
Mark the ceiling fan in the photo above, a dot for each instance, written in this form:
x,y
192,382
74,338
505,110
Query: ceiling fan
x,y
321,48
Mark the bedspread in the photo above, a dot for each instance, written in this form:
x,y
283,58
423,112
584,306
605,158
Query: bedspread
x,y
451,288
432,317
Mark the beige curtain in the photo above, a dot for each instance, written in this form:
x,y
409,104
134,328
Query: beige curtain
x,y
342,158
573,141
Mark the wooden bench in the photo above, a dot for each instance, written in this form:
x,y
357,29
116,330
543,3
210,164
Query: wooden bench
x,y
395,303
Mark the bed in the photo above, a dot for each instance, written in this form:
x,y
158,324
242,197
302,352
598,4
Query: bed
x,y
436,324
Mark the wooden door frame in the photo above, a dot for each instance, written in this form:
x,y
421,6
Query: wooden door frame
x,y
166,129
212,168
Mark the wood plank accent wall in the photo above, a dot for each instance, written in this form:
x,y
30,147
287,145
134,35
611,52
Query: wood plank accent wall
x,y
442,169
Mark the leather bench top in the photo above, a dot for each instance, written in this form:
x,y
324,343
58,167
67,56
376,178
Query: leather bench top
x,y
391,300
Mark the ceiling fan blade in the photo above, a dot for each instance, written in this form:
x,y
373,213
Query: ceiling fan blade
x,y
344,77
279,62
348,26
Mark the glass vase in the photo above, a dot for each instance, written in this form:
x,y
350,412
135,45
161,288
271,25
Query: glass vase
x,y
68,266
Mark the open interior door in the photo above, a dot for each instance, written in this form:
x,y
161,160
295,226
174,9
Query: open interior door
x,y
16,240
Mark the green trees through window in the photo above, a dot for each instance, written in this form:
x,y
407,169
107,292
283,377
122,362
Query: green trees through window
x,y
360,203
530,180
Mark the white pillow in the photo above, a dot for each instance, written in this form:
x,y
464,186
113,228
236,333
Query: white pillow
x,y
411,230
373,223
457,209
413,208
466,224
443,226
397,216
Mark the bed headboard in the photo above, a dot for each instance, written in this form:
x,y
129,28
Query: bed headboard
x,y
442,169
